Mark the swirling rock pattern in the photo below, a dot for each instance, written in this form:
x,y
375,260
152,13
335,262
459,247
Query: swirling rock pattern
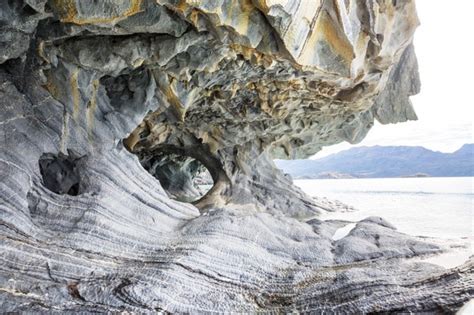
x,y
91,90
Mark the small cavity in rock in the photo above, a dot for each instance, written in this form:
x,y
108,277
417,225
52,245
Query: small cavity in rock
x,y
60,173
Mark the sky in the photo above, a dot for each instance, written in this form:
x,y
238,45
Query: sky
x,y
445,106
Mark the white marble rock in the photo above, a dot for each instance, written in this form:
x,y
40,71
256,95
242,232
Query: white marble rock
x,y
92,90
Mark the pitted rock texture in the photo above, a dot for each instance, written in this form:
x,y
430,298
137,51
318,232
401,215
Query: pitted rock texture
x,y
92,91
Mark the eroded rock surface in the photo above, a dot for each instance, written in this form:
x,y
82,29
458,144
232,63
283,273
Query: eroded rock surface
x,y
92,91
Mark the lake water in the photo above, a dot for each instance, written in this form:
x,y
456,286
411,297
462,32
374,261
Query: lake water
x,y
436,206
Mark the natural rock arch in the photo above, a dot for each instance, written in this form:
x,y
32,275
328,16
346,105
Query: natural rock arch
x,y
177,168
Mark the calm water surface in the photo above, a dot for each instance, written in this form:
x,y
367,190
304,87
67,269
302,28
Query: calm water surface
x,y
437,206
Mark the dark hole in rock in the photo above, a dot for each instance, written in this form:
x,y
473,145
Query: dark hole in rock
x,y
28,10
60,172
184,178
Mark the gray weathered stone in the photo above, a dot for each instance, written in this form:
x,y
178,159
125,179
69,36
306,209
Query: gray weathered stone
x,y
89,89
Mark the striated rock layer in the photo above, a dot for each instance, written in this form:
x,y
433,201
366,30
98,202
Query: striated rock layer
x,y
111,109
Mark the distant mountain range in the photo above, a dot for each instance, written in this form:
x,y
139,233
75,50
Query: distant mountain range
x,y
384,161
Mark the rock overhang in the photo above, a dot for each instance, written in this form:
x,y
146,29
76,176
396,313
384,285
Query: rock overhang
x,y
243,83
239,64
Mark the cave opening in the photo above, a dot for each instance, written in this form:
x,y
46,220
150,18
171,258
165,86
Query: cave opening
x,y
61,172
184,178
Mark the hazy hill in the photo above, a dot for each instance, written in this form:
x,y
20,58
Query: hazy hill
x,y
385,161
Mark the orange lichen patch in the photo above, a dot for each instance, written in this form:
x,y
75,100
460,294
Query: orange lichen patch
x,y
67,12
326,31
75,93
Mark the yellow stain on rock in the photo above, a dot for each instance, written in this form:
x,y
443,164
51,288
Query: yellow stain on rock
x,y
253,55
92,105
67,11
235,14
336,39
40,51
326,31
262,5
74,93
177,108
182,6
243,19
213,139
51,87
132,139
